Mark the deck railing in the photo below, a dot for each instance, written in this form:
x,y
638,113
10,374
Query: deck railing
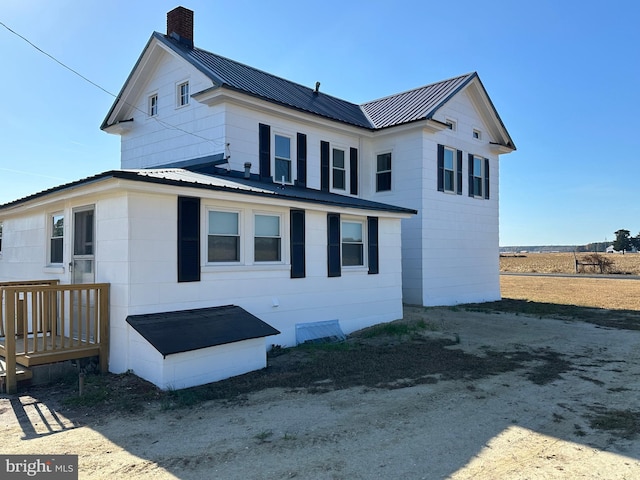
x,y
43,322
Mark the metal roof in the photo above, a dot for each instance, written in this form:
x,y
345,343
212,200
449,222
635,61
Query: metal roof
x,y
237,76
416,104
231,182
410,106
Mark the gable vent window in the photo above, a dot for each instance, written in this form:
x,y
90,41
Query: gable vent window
x,y
451,125
477,134
183,94
153,105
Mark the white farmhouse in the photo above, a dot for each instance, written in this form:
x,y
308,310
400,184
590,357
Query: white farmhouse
x,y
250,210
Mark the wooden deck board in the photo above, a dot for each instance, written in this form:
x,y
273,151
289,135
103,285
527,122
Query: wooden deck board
x,y
51,352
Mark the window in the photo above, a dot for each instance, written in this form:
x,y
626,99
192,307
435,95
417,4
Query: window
x,y
449,170
223,243
451,124
267,239
153,105
477,176
183,94
477,134
339,170
283,159
352,244
56,240
383,172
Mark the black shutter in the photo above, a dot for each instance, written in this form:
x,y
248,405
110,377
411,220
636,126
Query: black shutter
x,y
298,269
441,168
264,148
324,166
459,172
471,193
188,239
486,178
302,160
354,171
334,261
372,231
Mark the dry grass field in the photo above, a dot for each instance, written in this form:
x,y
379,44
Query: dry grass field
x,y
628,264
607,293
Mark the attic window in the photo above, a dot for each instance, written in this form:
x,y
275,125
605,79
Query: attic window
x,y
183,94
477,134
153,105
451,124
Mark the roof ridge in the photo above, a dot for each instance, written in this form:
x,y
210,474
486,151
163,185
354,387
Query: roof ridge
x,y
466,75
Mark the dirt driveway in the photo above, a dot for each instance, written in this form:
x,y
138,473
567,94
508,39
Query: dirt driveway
x,y
568,408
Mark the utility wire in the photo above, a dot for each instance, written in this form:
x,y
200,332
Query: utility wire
x,y
161,122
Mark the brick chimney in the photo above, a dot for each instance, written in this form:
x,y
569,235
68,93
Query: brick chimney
x,y
180,25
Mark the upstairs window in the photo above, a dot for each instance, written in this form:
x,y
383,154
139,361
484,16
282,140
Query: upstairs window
x,y
339,170
383,172
268,239
352,244
56,240
282,159
183,94
449,171
223,242
478,177
153,105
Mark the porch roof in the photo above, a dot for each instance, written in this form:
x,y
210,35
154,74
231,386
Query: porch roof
x,y
186,330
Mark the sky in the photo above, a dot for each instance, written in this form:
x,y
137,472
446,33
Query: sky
x,y
564,77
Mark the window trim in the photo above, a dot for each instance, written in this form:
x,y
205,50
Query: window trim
x,y
182,99
292,147
389,171
280,237
152,105
451,124
344,169
363,243
239,236
50,232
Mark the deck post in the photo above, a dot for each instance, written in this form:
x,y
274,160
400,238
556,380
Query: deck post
x,y
10,343
104,328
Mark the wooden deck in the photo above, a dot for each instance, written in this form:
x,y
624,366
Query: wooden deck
x,y
43,322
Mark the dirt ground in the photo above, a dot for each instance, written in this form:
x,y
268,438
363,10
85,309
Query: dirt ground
x,y
567,408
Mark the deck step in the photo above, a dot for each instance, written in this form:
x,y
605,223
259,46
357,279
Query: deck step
x,y
22,373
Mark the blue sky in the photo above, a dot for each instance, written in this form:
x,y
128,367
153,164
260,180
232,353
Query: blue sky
x,y
563,75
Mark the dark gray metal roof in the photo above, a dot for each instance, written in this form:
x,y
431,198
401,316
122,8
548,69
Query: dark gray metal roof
x,y
187,330
228,182
413,105
237,76
416,104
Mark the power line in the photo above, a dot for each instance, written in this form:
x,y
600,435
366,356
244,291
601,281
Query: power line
x,y
62,64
